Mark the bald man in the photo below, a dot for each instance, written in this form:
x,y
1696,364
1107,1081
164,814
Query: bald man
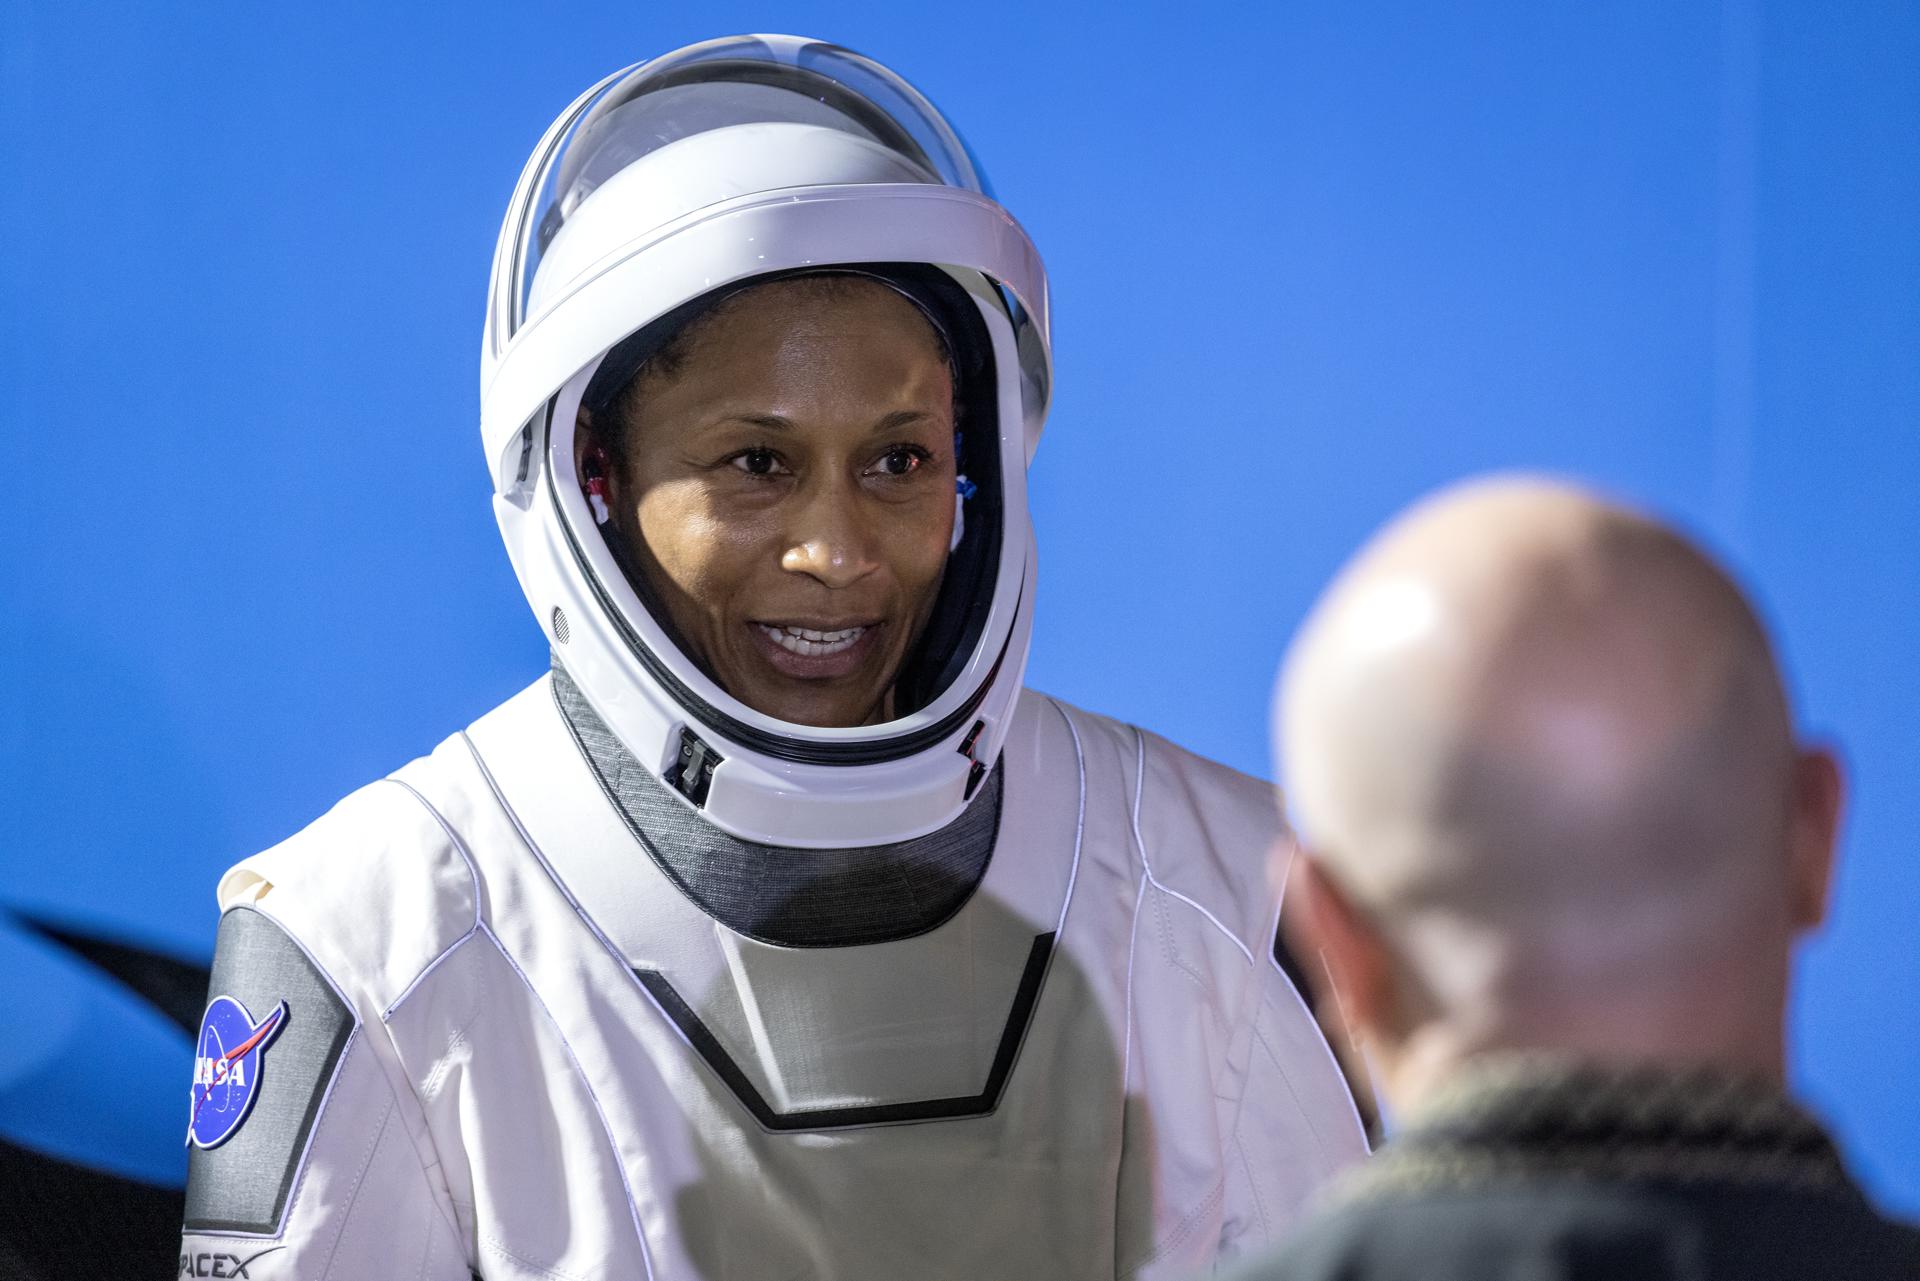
x,y
1557,842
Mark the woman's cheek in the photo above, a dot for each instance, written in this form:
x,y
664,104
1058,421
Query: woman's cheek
x,y
680,529
925,561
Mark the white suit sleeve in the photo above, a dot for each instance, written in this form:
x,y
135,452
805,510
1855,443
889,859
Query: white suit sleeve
x,y
1297,1125
305,1158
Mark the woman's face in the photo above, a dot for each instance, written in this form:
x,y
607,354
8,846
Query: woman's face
x,y
787,489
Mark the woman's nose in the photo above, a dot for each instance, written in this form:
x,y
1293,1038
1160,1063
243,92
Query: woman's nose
x,y
829,540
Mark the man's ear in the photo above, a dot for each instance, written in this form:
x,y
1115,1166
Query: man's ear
x,y
1329,1010
1321,921
1813,832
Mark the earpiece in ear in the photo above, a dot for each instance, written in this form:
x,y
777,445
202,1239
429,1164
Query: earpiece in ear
x,y
596,483
963,489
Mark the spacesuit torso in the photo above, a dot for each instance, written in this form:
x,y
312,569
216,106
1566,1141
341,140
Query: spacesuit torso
x,y
509,1036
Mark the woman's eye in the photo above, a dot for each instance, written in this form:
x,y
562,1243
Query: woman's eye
x,y
901,461
757,462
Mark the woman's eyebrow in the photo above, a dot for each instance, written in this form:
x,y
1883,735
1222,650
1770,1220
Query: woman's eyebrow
x,y
901,418
772,422
776,422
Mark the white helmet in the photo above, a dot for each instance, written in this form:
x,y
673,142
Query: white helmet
x,y
666,186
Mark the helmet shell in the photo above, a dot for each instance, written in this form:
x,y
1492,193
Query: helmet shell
x,y
709,167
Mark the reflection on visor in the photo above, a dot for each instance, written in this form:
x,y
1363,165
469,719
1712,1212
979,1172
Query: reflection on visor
x,y
724,84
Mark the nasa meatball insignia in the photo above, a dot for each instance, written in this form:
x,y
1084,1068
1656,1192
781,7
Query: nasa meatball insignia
x,y
226,1068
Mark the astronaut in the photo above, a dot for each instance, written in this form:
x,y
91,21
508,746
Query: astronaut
x,y
777,932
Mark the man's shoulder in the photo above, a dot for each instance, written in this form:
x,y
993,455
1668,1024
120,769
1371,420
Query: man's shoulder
x,y
1570,1226
1440,1236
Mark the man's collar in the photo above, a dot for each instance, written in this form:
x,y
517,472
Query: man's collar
x,y
1526,1117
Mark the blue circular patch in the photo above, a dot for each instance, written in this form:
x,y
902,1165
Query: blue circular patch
x,y
226,1068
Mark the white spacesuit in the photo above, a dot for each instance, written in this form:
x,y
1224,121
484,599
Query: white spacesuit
x,y
631,979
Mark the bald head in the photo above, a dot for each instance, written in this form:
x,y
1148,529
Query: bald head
x,y
1539,744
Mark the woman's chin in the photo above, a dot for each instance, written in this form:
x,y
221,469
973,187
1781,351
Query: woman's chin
x,y
816,710
824,686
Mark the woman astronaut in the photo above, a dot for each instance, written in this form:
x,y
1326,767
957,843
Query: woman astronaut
x,y
777,932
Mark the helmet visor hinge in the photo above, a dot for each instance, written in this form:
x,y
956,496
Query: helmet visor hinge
x,y
692,771
979,770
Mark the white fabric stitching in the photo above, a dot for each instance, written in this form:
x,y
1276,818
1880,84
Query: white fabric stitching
x,y
526,838
359,1182
1126,1053
646,1255
1139,786
460,848
1079,823
613,1148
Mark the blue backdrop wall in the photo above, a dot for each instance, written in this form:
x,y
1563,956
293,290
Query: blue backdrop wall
x,y
1310,259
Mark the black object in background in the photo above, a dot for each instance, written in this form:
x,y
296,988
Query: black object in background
x,y
59,1219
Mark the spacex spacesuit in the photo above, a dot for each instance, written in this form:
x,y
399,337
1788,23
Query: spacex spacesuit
x,y
632,979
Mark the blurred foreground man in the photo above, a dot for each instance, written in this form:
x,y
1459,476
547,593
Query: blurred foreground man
x,y
1560,841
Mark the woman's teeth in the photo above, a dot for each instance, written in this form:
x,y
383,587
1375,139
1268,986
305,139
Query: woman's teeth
x,y
805,640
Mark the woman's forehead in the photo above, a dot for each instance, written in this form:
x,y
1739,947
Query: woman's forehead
x,y
811,305
847,340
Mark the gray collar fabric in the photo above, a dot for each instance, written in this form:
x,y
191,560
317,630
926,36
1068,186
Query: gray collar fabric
x,y
789,897
1516,1117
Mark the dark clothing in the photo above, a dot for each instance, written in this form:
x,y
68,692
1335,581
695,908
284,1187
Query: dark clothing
x,y
1527,1169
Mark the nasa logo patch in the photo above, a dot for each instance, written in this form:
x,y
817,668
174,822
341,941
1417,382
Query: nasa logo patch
x,y
226,1068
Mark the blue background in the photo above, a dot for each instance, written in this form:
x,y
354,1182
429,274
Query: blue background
x,y
1309,259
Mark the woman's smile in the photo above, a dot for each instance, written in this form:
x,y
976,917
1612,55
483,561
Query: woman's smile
x,y
817,653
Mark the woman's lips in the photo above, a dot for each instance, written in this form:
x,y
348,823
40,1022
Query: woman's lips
x,y
814,653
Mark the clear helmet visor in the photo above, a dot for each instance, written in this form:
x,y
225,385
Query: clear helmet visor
x,y
726,118
976,338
